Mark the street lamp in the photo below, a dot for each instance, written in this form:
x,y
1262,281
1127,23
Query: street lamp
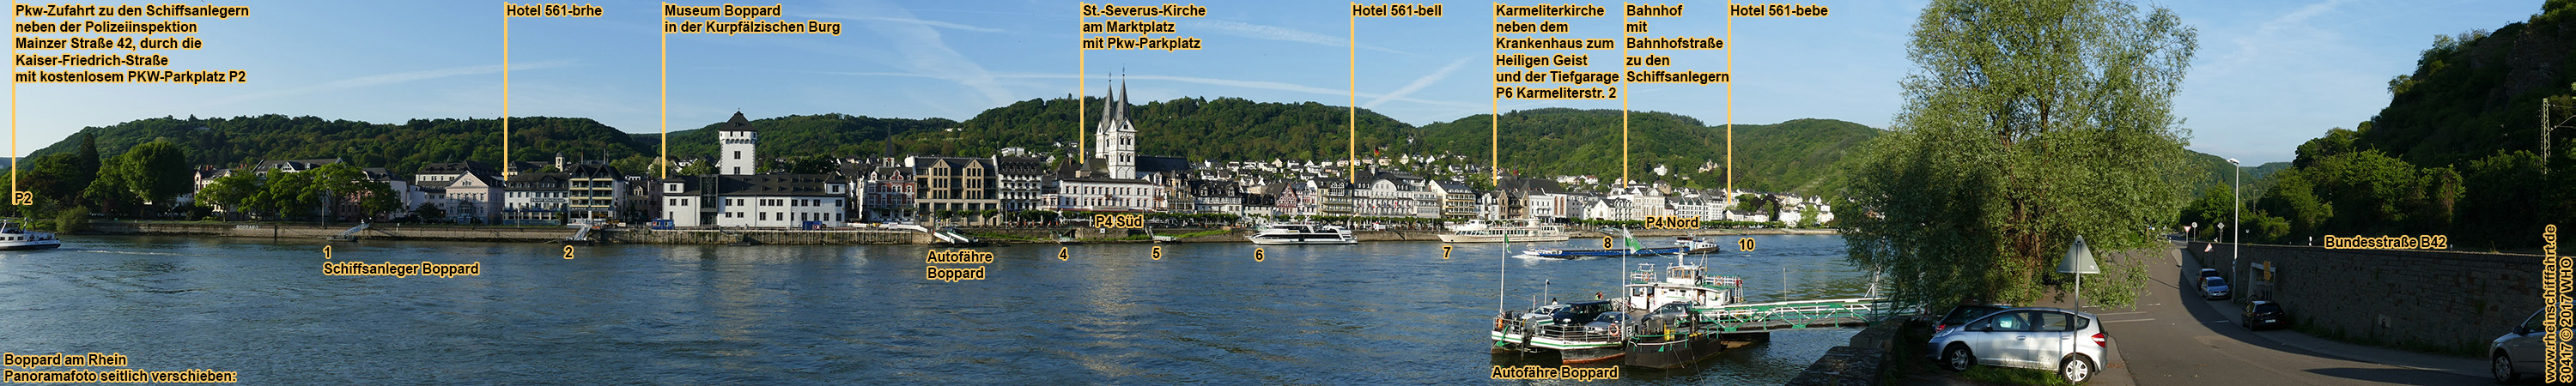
x,y
2237,215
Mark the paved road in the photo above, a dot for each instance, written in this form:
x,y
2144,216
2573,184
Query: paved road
x,y
2176,339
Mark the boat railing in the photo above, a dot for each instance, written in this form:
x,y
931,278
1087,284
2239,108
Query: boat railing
x,y
1571,333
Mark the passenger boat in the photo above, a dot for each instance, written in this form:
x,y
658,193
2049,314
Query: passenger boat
x,y
1302,233
1675,327
1477,232
1693,244
13,237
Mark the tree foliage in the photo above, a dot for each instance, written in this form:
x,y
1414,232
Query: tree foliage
x,y
2029,123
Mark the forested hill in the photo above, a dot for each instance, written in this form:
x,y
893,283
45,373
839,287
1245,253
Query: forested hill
x,y
1795,155
400,147
1783,157
2478,92
2459,150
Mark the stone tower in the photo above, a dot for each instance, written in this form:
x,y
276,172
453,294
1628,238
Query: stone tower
x,y
739,155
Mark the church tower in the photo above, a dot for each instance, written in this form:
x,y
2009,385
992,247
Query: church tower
x,y
738,156
1117,138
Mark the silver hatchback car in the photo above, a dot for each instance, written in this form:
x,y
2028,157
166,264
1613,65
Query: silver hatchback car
x,y
2518,355
2070,343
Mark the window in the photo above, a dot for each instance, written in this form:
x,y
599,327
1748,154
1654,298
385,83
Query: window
x,y
737,154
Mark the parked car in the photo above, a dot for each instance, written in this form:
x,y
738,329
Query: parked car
x,y
2213,288
2263,313
2208,272
1963,313
2064,341
2518,353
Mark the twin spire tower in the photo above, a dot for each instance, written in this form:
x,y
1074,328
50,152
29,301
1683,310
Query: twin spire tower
x,y
1115,143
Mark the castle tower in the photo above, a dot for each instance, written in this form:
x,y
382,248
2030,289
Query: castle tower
x,y
738,155
1117,136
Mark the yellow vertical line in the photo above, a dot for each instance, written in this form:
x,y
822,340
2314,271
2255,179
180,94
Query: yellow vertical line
x,y
13,114
1623,98
1730,100
1494,127
666,100
505,97
1354,173
1081,86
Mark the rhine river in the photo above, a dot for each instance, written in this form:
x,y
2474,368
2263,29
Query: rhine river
x,y
1374,313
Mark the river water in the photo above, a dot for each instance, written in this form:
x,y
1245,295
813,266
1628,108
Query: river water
x,y
1375,313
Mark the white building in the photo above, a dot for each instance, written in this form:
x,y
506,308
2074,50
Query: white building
x,y
736,198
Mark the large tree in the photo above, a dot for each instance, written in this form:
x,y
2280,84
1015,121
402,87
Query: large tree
x,y
158,171
2027,124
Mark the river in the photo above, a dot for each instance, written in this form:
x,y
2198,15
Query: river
x,y
1375,313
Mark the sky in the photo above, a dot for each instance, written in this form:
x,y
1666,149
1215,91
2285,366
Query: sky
x,y
2268,76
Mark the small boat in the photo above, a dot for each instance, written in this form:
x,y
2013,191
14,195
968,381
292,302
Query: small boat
x,y
1694,245
1583,253
1484,233
13,238
1301,233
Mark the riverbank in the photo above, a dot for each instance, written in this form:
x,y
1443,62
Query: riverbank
x,y
844,236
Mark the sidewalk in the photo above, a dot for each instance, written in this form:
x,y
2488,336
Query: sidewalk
x,y
2469,367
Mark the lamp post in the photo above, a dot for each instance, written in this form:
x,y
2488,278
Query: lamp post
x,y
2237,215
2079,261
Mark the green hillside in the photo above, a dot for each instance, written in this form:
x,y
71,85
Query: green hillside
x,y
1789,156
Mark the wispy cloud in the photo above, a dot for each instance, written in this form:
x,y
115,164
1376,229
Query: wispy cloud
x,y
925,53
933,23
2251,46
1418,84
387,79
1258,31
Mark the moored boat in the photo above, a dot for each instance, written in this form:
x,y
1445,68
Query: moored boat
x,y
1484,233
1302,233
1588,253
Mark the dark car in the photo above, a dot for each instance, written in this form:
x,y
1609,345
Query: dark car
x,y
1579,313
1963,313
2264,313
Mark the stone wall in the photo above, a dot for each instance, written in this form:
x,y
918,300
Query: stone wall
x,y
842,237
312,231
1863,362
2428,300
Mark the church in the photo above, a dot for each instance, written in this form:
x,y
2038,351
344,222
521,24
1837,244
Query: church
x,y
1110,179
739,195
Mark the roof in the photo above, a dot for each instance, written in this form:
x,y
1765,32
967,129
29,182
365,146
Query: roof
x,y
1152,164
738,123
298,164
590,170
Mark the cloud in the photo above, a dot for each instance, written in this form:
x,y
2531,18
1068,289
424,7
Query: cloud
x,y
1418,84
1284,34
386,79
925,53
933,23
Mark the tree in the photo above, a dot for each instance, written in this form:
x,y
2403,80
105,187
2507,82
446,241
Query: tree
x,y
702,167
237,193
2026,125
429,213
110,191
157,171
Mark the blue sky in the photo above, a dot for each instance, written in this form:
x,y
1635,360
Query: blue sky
x,y
2270,74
